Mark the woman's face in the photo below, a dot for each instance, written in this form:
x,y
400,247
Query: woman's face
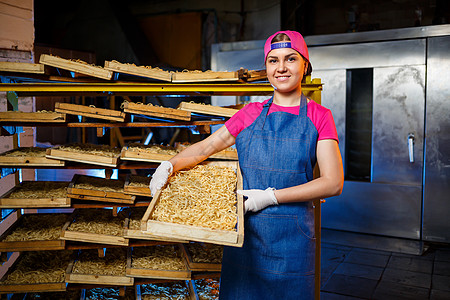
x,y
285,69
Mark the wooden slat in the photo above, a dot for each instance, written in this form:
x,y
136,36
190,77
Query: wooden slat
x,y
73,66
208,76
94,238
143,156
107,161
21,67
35,117
29,288
142,71
102,199
93,112
207,109
156,111
28,161
99,279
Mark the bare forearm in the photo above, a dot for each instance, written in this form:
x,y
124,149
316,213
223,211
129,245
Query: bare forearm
x,y
200,151
189,157
316,189
328,184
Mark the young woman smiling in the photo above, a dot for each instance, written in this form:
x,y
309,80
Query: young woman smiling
x,y
279,141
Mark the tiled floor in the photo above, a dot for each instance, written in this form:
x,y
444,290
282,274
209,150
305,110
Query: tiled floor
x,y
357,273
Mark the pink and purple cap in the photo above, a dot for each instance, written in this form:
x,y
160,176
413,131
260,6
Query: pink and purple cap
x,y
296,42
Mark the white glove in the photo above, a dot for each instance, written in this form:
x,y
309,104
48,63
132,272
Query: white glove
x,y
258,199
160,176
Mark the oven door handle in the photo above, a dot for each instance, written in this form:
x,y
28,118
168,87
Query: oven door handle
x,y
411,147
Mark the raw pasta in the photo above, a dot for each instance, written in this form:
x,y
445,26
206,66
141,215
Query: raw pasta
x,y
202,196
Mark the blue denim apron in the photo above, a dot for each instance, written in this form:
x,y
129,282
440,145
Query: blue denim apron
x,y
277,258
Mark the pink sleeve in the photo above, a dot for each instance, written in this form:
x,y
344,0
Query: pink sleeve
x,y
323,121
243,118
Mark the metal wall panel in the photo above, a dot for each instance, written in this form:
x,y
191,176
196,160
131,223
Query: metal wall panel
x,y
436,220
382,209
398,113
368,55
333,97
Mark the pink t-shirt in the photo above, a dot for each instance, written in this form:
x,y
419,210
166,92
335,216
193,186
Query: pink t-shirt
x,y
320,116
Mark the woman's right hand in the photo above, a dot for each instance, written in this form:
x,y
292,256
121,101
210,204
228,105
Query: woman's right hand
x,y
159,178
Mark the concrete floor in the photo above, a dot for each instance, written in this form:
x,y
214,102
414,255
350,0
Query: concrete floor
x,y
351,273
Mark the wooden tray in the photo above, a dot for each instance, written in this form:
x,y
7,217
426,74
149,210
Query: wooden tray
x,y
97,194
129,154
131,189
90,237
196,233
94,159
30,287
30,244
75,66
97,279
200,266
7,202
131,232
28,160
92,112
208,76
33,117
156,111
142,71
141,289
159,273
207,109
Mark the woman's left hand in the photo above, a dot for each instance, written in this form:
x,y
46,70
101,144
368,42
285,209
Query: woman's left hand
x,y
258,199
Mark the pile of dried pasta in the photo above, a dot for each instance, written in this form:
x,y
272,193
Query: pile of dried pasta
x,y
25,151
98,221
38,227
160,257
135,217
103,150
112,293
113,264
139,181
40,190
205,253
165,291
159,149
202,196
39,267
207,289
99,184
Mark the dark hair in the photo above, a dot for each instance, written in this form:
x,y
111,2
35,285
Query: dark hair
x,y
281,37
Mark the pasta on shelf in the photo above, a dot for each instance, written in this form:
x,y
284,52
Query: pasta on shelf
x,y
39,267
98,221
38,227
113,264
165,291
40,189
161,257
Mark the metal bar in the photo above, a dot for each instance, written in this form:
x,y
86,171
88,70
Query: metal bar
x,y
119,124
143,88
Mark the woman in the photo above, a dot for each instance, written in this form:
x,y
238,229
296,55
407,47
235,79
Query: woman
x,y
279,142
